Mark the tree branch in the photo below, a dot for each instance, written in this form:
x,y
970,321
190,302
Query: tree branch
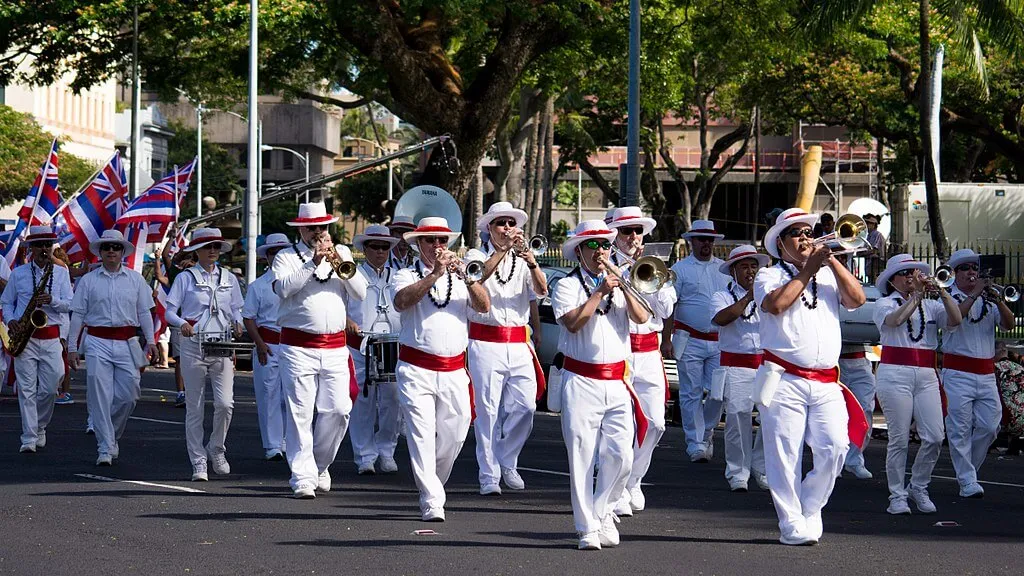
x,y
347,105
599,179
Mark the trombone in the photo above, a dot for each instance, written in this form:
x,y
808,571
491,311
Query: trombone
x,y
849,237
647,275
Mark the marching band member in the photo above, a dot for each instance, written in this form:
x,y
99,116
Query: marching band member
x,y
111,303
649,379
597,423
194,296
968,370
738,321
401,255
796,386
314,362
373,428
908,387
694,338
433,383
507,378
259,314
855,373
40,368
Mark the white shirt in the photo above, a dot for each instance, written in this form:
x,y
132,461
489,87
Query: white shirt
x,y
934,316
742,335
696,281
5,270
307,304
662,302
193,299
805,337
261,304
437,331
604,339
109,299
510,302
974,339
20,288
380,294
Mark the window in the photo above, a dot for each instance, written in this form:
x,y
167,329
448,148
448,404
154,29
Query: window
x,y
287,160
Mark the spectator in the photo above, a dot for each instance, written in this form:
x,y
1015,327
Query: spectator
x,y
876,240
1010,380
826,225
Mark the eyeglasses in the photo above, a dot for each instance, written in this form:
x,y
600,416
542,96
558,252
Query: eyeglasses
x,y
636,230
111,246
798,232
905,273
378,246
967,268
595,244
506,222
434,240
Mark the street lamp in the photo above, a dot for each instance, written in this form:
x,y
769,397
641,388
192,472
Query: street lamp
x,y
303,157
391,180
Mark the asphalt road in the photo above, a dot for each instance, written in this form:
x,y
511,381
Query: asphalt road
x,y
61,515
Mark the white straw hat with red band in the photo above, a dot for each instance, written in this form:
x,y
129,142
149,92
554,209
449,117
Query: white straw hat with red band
x,y
275,240
501,210
894,265
742,252
41,234
431,226
586,230
401,222
205,236
111,237
963,256
372,232
703,228
784,220
629,216
313,214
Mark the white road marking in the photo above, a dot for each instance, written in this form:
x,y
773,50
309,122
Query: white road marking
x,y
539,471
979,481
141,483
175,422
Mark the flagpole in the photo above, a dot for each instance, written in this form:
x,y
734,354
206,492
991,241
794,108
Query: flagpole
x,y
42,181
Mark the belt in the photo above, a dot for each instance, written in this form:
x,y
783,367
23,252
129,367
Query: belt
x,y
293,337
824,375
498,334
908,356
429,361
112,332
709,336
736,360
49,332
269,335
644,342
615,371
853,355
968,364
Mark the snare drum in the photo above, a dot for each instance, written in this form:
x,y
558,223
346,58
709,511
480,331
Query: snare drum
x,y
381,358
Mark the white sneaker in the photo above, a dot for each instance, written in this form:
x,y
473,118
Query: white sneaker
x,y
609,534
637,499
367,469
304,492
199,472
859,472
972,490
737,485
798,540
898,506
388,465
27,448
921,500
590,541
89,430
323,483
41,441
700,457
274,455
434,515
709,445
219,464
761,479
490,489
107,460
622,507
512,479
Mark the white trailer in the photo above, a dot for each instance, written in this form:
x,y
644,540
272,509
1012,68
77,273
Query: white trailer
x,y
971,213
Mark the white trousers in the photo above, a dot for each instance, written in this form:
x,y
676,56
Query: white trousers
x,y
222,380
743,452
803,411
972,421
39,370
267,384
315,380
598,429
505,396
649,384
697,362
373,428
856,374
910,393
112,389
437,411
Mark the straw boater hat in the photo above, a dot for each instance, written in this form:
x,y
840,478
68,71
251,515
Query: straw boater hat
x,y
630,216
430,226
401,222
894,265
501,210
41,235
608,215
586,230
703,228
275,240
374,232
203,236
784,220
742,252
313,214
109,237
964,256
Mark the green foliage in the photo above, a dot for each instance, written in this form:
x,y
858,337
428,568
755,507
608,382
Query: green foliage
x,y
364,195
220,177
559,231
567,194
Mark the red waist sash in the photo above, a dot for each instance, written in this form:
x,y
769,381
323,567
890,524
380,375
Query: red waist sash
x,y
853,355
968,364
737,360
293,337
498,334
908,356
615,371
112,332
429,361
49,332
269,335
709,336
644,342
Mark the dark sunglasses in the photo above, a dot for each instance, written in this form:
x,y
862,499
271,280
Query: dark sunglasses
x,y
318,226
378,246
905,273
506,222
636,230
435,240
967,268
796,233
595,244
111,246
702,238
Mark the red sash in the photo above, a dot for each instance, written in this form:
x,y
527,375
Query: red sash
x,y
49,332
293,337
429,361
616,371
853,355
112,332
353,385
644,342
509,335
908,357
356,342
968,364
709,336
269,335
736,360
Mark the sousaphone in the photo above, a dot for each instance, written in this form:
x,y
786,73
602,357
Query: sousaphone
x,y
425,200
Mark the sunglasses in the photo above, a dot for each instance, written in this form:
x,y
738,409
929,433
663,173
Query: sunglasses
x,y
905,273
506,222
635,230
967,268
796,233
378,246
318,226
702,238
111,246
595,244
435,240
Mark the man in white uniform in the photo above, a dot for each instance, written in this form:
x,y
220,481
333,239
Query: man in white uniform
x,y
855,373
695,338
597,416
968,370
796,386
259,315
315,364
434,389
40,368
507,379
112,302
375,415
401,255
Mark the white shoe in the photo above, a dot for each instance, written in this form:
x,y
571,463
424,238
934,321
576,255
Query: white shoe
x,y
737,485
798,540
434,515
608,533
490,489
709,445
274,455
89,430
107,460
622,507
512,479
921,500
219,464
304,492
637,499
388,465
323,483
199,472
898,506
972,490
859,472
590,541
367,469
761,479
41,441
27,448
700,457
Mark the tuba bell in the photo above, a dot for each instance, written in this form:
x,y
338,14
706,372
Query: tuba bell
x,y
419,202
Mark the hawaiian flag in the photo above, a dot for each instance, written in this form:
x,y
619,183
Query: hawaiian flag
x,y
158,206
93,210
137,234
43,198
159,321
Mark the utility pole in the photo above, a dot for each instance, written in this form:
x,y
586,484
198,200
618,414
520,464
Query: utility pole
x,y
133,169
629,173
252,193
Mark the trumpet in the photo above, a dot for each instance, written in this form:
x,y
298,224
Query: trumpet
x,y
468,270
537,245
1009,292
344,269
850,235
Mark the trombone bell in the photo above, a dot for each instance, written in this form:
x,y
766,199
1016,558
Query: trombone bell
x,y
648,274
851,234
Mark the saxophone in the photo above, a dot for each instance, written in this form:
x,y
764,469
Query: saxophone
x,y
31,319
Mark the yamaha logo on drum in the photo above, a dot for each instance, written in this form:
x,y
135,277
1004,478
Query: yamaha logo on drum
x,y
430,192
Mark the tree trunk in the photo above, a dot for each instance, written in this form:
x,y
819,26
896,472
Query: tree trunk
x,y
537,176
511,144
543,225
530,162
930,184
471,232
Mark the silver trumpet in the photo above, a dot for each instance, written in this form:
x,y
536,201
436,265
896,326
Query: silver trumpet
x,y
467,270
537,245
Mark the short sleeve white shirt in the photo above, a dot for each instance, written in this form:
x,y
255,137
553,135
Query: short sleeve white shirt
x,y
604,339
425,326
696,281
897,336
974,338
742,335
261,304
806,337
510,288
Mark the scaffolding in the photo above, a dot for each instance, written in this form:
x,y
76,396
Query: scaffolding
x,y
840,155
